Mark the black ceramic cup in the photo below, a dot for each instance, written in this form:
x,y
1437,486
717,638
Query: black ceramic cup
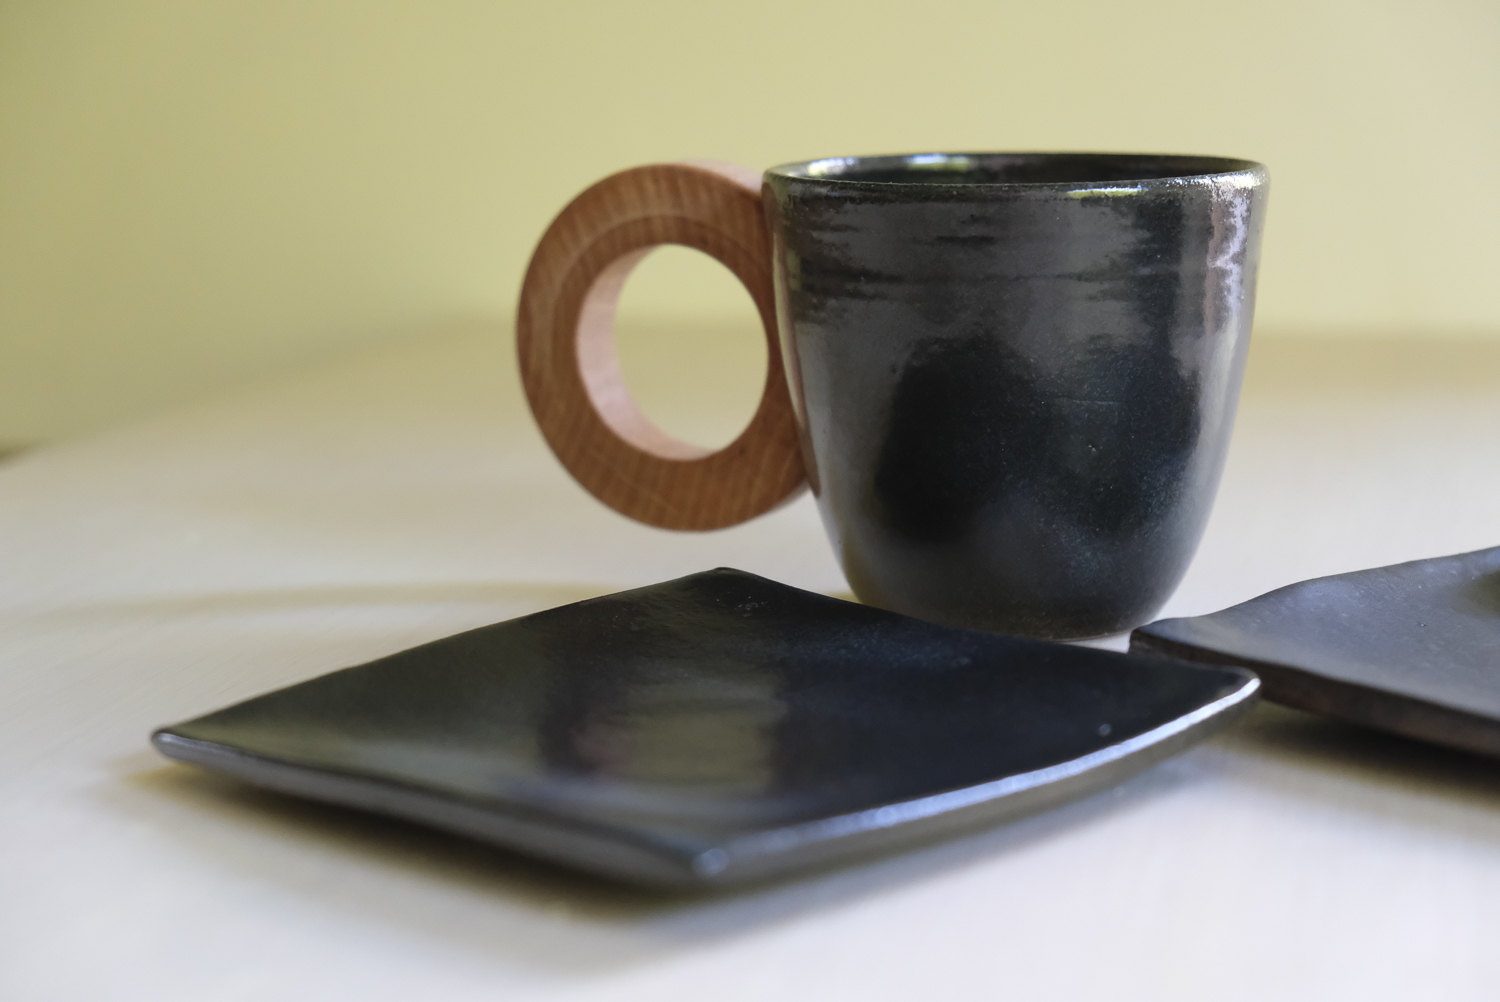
x,y
1009,379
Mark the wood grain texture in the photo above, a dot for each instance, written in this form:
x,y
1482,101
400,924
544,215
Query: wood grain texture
x,y
571,372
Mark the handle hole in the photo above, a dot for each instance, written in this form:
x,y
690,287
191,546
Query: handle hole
x,y
691,347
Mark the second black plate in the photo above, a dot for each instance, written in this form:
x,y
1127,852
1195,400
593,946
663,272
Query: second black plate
x,y
1412,648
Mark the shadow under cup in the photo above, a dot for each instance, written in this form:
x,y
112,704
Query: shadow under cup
x,y
1015,375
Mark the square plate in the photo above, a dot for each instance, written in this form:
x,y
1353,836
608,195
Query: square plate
x,y
1412,648
715,728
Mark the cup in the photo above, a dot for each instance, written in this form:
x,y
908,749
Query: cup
x,y
1009,378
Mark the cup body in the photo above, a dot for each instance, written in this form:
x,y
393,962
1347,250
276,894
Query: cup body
x,y
1015,375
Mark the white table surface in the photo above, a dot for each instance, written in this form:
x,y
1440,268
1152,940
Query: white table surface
x,y
168,568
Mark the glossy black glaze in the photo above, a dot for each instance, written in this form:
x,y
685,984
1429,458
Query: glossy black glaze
x,y
715,728
1016,374
1412,648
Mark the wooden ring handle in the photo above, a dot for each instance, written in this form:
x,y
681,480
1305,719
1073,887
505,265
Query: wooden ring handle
x,y
565,337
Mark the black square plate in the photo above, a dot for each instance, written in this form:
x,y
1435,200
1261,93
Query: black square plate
x,y
1412,648
715,728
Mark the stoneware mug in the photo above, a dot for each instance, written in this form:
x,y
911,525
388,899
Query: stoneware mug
x,y
1009,378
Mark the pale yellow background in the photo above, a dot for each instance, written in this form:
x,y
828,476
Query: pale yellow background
x,y
193,194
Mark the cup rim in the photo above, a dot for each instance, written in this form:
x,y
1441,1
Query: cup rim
x,y
1152,170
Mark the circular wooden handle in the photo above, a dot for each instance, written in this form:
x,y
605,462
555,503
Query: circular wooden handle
x,y
565,336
